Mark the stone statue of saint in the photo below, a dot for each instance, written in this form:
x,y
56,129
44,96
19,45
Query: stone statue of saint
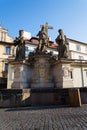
x,y
20,49
62,42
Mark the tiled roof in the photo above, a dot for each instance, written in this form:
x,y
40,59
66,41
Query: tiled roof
x,y
52,44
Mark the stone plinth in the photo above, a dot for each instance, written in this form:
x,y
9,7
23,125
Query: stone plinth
x,y
18,75
61,72
40,72
42,76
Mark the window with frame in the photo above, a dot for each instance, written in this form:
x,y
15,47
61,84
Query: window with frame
x,y
6,67
78,47
8,50
81,57
71,74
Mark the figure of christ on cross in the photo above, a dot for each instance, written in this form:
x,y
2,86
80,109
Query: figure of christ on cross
x,y
43,38
46,27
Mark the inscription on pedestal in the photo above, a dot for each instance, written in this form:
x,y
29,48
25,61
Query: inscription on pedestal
x,y
66,71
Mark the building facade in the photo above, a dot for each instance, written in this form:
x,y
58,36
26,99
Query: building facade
x,y
32,44
79,73
78,50
6,50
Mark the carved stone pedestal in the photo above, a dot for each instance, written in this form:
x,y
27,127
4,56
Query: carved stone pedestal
x,y
41,74
18,75
61,72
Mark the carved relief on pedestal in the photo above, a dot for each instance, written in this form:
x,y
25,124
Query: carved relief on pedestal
x,y
66,71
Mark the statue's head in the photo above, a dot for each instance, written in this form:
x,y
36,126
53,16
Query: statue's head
x,y
46,23
21,32
42,27
60,31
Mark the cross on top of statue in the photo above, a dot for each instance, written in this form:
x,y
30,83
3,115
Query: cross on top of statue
x,y
46,27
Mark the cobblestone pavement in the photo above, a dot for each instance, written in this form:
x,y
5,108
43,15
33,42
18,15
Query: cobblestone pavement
x,y
46,118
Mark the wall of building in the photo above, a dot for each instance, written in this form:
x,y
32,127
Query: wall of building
x,y
75,52
79,75
78,50
32,47
29,48
77,79
78,55
85,76
4,35
6,50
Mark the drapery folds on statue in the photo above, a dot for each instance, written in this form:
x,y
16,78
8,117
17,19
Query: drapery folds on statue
x,y
62,42
20,49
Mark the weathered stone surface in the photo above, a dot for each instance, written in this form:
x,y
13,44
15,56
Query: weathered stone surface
x,y
42,76
61,74
19,75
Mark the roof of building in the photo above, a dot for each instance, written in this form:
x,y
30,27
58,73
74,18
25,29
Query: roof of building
x,y
76,41
1,28
6,43
51,43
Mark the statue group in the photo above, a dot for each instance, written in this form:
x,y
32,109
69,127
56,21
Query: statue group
x,y
61,40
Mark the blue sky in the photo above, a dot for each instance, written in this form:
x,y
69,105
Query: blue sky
x,y
69,15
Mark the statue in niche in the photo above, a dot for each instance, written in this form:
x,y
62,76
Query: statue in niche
x,y
43,38
20,43
62,42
